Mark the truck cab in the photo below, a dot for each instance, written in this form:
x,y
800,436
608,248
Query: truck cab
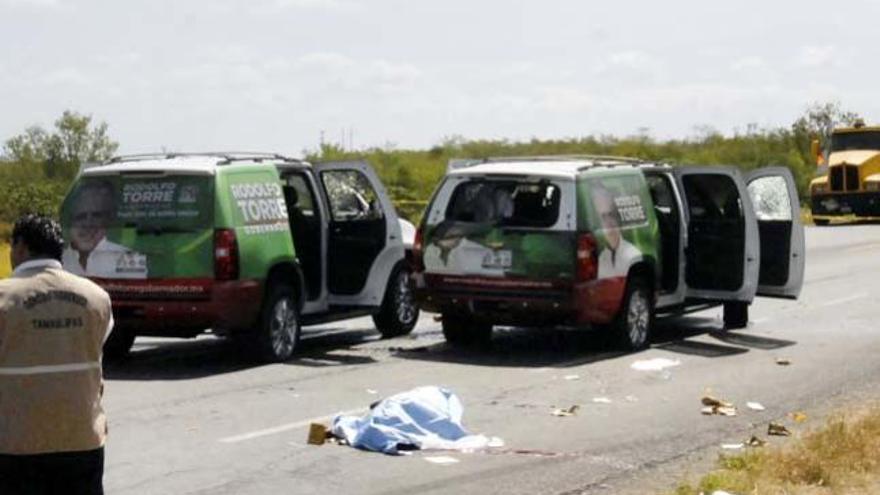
x,y
849,187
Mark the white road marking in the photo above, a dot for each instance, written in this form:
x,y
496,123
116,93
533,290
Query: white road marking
x,y
285,427
835,302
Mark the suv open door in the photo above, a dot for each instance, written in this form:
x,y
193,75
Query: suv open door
x,y
364,235
775,201
722,248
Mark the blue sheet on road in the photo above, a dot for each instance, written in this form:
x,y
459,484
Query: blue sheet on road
x,y
422,418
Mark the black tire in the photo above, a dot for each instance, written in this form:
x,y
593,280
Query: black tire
x,y
736,315
821,222
633,324
399,313
279,327
463,331
118,345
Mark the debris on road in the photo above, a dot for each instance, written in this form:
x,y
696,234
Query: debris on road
x,y
798,417
572,377
756,442
778,430
631,398
656,364
732,446
601,400
442,460
570,411
318,434
423,418
755,406
717,407
783,361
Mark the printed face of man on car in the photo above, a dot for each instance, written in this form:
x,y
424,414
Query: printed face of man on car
x,y
90,217
607,211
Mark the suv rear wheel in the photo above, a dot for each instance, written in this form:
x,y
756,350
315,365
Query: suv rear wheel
x,y
399,313
632,326
465,331
118,345
278,335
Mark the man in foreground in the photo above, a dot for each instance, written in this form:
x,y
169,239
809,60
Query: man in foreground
x,y
52,328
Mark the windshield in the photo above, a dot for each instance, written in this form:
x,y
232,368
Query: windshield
x,y
505,203
868,140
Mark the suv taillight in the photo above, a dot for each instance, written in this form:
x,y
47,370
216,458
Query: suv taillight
x,y
225,255
587,258
418,261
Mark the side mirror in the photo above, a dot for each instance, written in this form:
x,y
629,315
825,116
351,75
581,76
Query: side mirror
x,y
816,153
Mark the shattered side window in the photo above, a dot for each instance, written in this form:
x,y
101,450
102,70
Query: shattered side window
x,y
770,198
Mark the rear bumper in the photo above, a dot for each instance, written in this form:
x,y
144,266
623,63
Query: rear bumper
x,y
507,301
861,204
183,307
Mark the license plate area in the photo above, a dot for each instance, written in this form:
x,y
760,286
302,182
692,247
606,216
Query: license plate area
x,y
502,258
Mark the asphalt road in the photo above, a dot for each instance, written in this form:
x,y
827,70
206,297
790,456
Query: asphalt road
x,y
189,417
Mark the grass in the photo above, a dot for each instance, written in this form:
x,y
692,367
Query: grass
x,y
842,457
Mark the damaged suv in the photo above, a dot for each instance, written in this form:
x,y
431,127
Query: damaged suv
x,y
605,242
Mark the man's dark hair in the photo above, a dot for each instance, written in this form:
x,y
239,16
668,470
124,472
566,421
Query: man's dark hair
x,y
40,234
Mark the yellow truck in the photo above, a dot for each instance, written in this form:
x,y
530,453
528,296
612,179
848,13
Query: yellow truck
x,y
851,187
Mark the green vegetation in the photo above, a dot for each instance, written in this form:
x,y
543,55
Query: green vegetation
x,y
36,167
843,457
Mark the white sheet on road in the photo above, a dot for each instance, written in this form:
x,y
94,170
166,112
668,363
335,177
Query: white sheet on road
x,y
423,418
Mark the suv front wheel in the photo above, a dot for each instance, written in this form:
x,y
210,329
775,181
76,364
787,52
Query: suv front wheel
x,y
399,313
278,335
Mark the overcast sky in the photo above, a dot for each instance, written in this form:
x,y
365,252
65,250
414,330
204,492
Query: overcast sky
x,y
273,74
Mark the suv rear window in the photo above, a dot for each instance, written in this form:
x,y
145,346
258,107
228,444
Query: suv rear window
x,y
177,203
505,202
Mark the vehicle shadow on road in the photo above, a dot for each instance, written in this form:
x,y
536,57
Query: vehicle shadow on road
x,y
174,359
521,347
528,347
676,334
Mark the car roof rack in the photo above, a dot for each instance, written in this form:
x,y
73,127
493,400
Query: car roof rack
x,y
607,160
225,157
545,158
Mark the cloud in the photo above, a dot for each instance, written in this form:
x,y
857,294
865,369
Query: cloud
x,y
815,56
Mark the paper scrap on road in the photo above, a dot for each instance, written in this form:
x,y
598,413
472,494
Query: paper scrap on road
x,y
778,430
656,364
732,446
717,407
756,442
783,361
372,392
570,411
572,377
755,406
442,460
721,492
601,400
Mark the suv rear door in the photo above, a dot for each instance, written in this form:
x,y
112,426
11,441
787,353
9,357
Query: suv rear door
x,y
775,201
364,238
722,250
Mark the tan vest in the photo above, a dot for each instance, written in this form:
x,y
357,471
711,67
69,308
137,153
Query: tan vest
x,y
52,327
